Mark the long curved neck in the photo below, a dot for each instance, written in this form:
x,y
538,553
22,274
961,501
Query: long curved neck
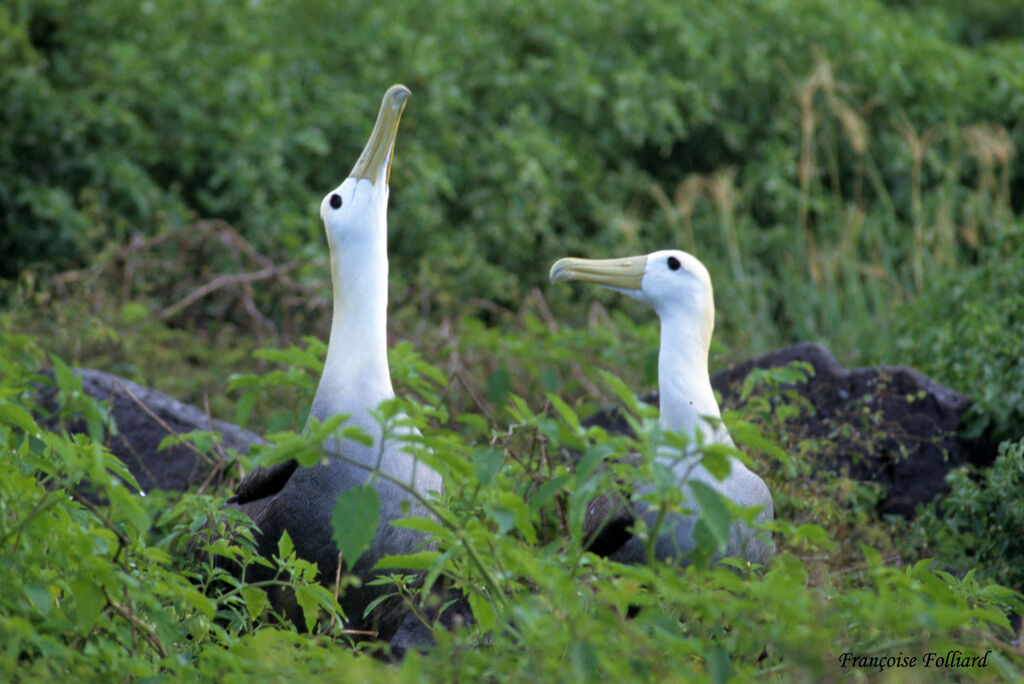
x,y
684,386
356,376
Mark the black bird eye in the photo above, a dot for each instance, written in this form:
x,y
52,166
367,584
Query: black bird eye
x,y
673,263
335,201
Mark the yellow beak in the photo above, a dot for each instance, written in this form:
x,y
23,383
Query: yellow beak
x,y
376,156
626,273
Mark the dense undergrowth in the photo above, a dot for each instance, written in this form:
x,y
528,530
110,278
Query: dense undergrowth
x,y
847,171
101,590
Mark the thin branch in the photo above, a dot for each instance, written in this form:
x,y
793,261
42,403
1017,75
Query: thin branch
x,y
163,424
225,280
138,623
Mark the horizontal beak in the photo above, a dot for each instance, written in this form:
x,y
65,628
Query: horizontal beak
x,y
627,273
375,161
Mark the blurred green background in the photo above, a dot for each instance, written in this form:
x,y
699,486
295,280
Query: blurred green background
x,y
847,171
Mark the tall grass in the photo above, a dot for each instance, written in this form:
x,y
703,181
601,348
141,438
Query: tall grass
x,y
855,250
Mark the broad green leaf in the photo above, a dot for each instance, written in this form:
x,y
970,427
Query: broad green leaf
x,y
255,600
621,391
716,459
39,597
64,376
547,491
565,411
749,434
421,524
89,602
421,560
499,385
713,511
487,461
244,408
354,519
483,612
285,547
307,599
376,602
12,414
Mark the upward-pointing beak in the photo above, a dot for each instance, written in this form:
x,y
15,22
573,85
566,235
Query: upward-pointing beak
x,y
626,273
375,161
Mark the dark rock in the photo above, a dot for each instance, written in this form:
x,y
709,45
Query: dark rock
x,y
143,417
414,634
885,424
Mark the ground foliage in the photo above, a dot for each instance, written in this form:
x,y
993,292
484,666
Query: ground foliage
x,y
969,528
846,171
101,590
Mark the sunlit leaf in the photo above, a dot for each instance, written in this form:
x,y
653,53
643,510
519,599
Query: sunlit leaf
x,y
354,519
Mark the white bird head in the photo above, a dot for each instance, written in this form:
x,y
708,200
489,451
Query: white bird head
x,y
675,284
356,211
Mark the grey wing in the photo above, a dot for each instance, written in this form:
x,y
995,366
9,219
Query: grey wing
x,y
262,483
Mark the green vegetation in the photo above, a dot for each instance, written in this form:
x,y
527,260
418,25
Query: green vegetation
x,y
99,591
847,171
978,514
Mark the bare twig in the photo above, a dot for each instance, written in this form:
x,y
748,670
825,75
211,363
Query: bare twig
x,y
225,280
164,425
137,623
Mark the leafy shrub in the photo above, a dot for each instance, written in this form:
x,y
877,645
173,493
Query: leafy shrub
x,y
977,526
966,329
95,590
540,129
94,586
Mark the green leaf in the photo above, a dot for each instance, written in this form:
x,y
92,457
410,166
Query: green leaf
x,y
244,408
483,611
716,460
39,597
376,602
583,659
64,376
487,461
89,602
565,411
713,511
504,518
308,600
591,459
256,601
818,535
356,434
421,524
285,547
547,491
355,519
749,434
621,391
12,414
421,560
499,384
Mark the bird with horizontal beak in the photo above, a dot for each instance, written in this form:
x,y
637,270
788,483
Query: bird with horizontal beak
x,y
678,287
355,380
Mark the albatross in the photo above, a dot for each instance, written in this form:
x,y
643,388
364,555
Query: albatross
x,y
355,380
678,287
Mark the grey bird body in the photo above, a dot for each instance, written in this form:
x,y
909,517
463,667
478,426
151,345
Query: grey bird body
x,y
355,380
